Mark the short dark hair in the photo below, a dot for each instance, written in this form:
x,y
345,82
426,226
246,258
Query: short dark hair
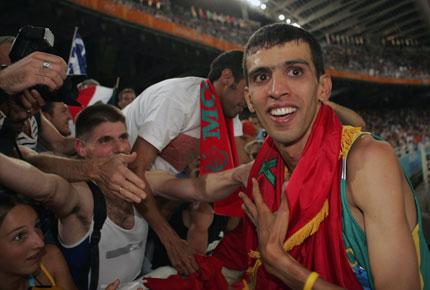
x,y
279,33
94,115
48,108
230,59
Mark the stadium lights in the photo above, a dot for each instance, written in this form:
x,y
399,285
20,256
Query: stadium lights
x,y
281,17
254,3
263,6
288,20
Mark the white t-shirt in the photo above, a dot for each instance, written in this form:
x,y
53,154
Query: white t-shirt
x,y
167,115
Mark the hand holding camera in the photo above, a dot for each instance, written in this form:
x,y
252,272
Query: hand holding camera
x,y
37,68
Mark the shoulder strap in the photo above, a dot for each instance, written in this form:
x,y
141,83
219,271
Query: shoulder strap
x,y
99,219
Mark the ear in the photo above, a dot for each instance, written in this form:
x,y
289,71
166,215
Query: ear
x,y
226,77
80,148
248,100
324,87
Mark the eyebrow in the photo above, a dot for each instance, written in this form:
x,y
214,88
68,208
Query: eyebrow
x,y
16,230
286,63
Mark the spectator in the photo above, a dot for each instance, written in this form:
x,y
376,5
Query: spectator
x,y
125,97
59,115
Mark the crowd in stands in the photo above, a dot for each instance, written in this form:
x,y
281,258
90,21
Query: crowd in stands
x,y
221,25
403,128
379,60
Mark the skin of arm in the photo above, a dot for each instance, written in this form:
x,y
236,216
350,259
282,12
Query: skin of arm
x,y
53,139
346,116
210,187
110,173
179,252
379,190
51,190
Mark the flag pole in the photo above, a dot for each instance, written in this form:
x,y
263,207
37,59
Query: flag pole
x,y
117,83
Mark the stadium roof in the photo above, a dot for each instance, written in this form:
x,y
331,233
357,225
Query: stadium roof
x,y
391,20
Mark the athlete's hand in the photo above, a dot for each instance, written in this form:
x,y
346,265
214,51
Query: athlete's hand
x,y
112,174
271,227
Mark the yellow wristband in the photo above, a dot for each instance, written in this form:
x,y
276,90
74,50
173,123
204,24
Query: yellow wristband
x,y
310,281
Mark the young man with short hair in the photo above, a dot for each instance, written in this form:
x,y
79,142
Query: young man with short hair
x,y
328,206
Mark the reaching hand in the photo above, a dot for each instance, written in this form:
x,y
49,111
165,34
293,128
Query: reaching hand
x,y
113,286
181,255
271,227
112,175
38,68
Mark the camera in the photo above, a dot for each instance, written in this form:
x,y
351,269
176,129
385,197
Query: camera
x,y
32,38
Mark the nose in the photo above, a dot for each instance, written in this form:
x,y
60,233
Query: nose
x,y
121,146
37,240
278,85
69,115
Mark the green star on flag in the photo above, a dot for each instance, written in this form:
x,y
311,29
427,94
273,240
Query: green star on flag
x,y
265,169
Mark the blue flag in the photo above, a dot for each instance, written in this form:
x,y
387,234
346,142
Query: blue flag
x,y
77,61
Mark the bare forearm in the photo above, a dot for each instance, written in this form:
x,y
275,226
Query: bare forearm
x,y
27,180
346,115
21,177
70,169
149,210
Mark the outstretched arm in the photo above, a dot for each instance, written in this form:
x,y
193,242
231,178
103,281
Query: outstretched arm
x,y
110,173
209,188
51,190
179,251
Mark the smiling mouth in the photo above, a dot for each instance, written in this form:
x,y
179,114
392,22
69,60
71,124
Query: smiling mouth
x,y
35,257
282,112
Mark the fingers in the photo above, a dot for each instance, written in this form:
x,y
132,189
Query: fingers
x,y
113,286
31,100
31,71
186,265
132,184
133,178
256,194
190,265
126,195
121,180
181,256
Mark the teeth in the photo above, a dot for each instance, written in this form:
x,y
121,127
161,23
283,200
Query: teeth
x,y
282,111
